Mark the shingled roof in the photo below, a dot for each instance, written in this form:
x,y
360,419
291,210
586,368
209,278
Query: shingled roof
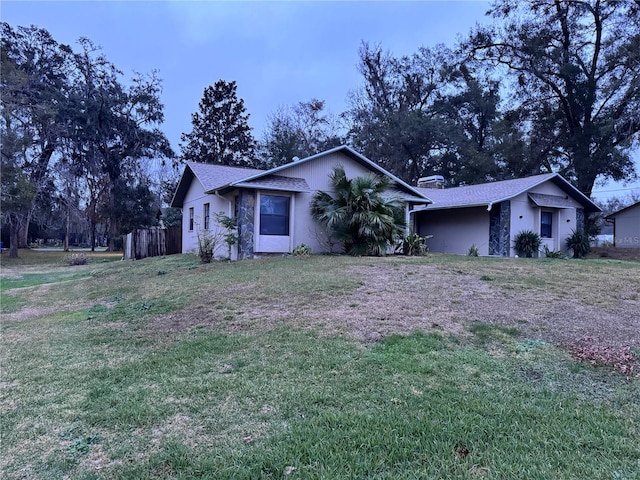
x,y
276,182
212,178
486,194
222,178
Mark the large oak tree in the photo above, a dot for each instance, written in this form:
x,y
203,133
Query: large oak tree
x,y
69,120
575,66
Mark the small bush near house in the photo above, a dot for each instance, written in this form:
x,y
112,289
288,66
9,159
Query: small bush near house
x,y
230,225
206,245
302,250
552,253
579,242
473,251
77,259
527,244
413,244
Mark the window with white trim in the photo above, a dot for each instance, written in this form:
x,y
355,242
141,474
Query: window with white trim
x,y
274,214
546,224
205,215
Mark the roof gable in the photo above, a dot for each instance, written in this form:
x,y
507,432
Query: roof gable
x,y
211,177
415,195
223,178
630,207
486,194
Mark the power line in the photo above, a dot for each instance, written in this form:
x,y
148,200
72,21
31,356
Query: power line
x,y
615,189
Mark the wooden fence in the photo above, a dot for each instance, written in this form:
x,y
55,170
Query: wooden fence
x,y
152,242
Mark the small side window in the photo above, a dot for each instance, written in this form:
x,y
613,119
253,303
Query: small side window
x,y
191,219
205,214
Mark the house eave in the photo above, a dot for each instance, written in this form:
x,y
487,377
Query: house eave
x,y
183,187
269,187
434,206
615,214
348,151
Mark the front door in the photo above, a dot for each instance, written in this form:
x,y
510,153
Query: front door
x,y
273,225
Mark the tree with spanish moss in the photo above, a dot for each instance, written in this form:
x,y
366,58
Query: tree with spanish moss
x,y
575,78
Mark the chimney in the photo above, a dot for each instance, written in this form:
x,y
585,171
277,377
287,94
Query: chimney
x,y
433,181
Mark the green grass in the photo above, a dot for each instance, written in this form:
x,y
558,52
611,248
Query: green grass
x,y
28,257
96,391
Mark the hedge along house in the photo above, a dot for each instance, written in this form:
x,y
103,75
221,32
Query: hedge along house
x,y
272,207
626,226
490,215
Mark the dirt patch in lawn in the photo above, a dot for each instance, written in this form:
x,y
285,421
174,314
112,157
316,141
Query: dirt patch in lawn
x,y
403,298
629,254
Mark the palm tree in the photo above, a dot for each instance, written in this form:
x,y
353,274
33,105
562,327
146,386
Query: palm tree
x,y
360,213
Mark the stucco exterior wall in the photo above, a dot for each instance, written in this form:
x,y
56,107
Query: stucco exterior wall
x,y
316,173
627,228
455,230
526,216
196,198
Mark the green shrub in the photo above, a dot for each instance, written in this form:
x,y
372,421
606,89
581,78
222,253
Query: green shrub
x,y
579,242
527,244
302,250
552,253
413,244
473,251
207,243
118,243
230,225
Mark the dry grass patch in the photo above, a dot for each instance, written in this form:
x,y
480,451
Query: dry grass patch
x,y
244,369
553,301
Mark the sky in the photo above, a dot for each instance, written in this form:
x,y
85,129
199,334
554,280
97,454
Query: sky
x,y
279,53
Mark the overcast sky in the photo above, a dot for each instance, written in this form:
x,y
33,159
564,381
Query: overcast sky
x,y
279,53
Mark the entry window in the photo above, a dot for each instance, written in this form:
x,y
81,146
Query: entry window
x,y
274,215
546,224
205,214
190,218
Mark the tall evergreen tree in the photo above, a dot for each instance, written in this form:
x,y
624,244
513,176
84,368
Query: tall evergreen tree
x,y
220,130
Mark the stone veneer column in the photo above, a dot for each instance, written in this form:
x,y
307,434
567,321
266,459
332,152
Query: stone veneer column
x,y
500,229
581,223
245,213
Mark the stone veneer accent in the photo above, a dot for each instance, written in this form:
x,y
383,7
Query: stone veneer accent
x,y
500,229
581,223
245,213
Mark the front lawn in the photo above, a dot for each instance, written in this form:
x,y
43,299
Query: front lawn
x,y
320,367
